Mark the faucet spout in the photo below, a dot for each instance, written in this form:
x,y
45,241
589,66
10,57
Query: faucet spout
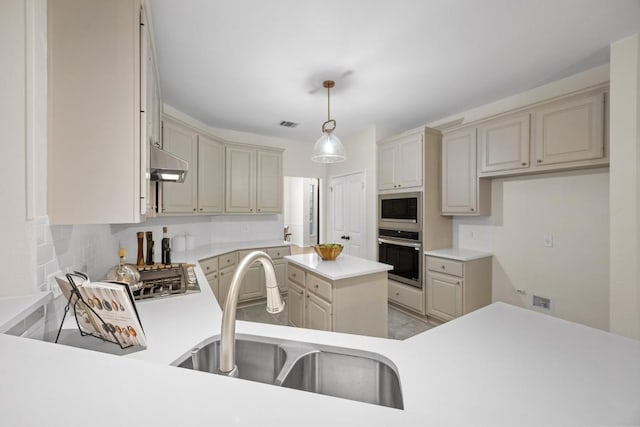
x,y
275,305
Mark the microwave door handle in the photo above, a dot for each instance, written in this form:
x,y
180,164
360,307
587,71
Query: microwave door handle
x,y
395,242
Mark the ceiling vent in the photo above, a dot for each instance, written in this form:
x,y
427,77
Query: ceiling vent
x,y
288,124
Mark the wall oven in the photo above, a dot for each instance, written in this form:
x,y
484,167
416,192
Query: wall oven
x,y
400,211
402,250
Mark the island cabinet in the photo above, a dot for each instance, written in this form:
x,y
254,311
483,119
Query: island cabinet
x,y
400,162
356,305
219,271
203,188
457,286
103,107
254,180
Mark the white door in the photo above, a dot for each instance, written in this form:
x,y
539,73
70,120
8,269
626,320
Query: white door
x,y
348,208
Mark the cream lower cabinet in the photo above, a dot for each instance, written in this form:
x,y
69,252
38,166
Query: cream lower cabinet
x,y
407,296
356,305
457,287
220,270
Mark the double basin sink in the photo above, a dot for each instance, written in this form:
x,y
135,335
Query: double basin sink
x,y
333,371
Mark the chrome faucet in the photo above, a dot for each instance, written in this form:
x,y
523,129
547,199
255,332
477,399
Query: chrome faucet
x,y
275,305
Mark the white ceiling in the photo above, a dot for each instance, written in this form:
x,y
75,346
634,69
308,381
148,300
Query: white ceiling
x,y
248,64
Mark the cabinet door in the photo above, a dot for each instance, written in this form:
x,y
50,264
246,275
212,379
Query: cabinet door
x,y
281,274
210,175
224,283
252,286
386,166
409,162
444,296
459,180
183,142
570,130
317,313
503,144
212,278
296,305
241,179
269,185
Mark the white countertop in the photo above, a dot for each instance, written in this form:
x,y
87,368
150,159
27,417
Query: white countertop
x,y
13,310
458,254
498,365
343,267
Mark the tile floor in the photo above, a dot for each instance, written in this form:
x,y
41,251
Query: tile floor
x,y
401,326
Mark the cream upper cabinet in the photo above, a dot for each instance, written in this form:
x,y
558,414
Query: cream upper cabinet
x,y
400,162
570,130
211,159
254,180
202,190
269,184
97,139
241,179
183,142
503,144
462,192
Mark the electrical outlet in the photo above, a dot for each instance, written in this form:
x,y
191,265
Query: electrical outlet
x,y
541,303
548,240
53,285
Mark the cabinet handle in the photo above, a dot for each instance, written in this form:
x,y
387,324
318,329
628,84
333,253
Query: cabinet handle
x,y
294,275
208,268
539,161
524,164
201,209
442,267
221,274
458,283
259,210
194,209
251,210
397,294
316,286
471,209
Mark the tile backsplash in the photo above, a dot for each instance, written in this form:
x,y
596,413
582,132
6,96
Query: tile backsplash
x,y
94,248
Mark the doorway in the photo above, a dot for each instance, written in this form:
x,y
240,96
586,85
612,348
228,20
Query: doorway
x,y
302,213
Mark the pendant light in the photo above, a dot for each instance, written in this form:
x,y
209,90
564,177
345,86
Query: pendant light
x,y
328,148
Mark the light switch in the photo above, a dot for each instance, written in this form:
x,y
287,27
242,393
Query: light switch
x,y
548,240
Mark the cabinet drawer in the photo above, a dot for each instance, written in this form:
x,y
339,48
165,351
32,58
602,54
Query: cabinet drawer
x,y
209,265
295,274
227,260
319,287
406,295
446,266
277,253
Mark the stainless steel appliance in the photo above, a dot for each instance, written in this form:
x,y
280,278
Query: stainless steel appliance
x,y
400,211
164,280
403,250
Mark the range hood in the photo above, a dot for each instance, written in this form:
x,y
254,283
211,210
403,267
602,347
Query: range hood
x,y
167,167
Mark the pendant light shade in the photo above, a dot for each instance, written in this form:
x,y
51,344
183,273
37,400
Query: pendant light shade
x,y
328,148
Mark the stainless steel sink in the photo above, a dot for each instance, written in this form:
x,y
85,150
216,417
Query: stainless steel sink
x,y
332,371
361,378
257,360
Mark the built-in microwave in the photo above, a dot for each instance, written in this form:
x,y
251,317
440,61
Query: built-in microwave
x,y
400,211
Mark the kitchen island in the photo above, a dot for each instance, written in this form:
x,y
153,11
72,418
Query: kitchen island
x,y
500,365
348,294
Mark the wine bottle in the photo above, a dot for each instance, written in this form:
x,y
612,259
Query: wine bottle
x,y
166,251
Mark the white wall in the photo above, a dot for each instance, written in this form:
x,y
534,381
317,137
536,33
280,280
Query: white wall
x,y
572,207
361,154
23,124
293,206
625,187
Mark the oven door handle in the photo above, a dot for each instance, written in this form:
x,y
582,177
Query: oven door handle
x,y
395,242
